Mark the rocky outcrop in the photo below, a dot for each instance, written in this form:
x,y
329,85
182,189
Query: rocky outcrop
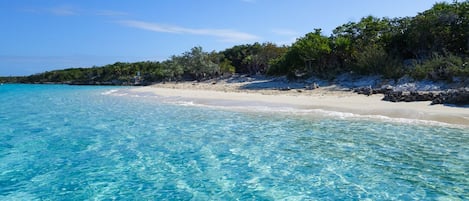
x,y
453,96
369,90
458,96
406,96
364,90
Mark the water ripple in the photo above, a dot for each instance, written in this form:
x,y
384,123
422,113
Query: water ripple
x,y
75,143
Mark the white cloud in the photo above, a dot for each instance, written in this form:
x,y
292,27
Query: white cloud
x,y
58,10
110,13
63,11
225,35
66,10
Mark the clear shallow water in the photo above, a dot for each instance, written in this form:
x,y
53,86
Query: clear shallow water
x,y
77,143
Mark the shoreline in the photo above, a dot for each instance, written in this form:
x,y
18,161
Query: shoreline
x,y
330,98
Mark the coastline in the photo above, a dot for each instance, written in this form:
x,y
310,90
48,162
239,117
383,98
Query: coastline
x,y
330,98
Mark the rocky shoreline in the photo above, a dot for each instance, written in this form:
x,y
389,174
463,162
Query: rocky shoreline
x,y
458,96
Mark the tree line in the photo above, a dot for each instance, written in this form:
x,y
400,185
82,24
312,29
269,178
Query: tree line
x,y
431,45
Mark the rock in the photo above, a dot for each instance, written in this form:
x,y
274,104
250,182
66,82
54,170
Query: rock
x,y
393,96
364,90
399,96
387,88
437,100
315,85
456,97
312,86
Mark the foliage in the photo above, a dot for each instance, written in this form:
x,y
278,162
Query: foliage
x,y
253,58
226,67
442,29
195,64
307,55
442,68
436,42
383,46
112,74
374,60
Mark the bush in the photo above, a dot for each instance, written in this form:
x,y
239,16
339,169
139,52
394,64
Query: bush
x,y
441,68
277,67
374,60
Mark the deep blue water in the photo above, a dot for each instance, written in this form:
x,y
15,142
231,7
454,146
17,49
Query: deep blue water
x,y
80,143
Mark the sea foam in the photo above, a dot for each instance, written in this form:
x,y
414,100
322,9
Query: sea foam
x,y
262,107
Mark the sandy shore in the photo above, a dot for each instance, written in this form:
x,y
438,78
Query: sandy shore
x,y
249,91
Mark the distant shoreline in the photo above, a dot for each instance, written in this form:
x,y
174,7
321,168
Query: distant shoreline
x,y
243,91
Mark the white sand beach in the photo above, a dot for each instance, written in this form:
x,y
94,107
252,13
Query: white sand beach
x,y
330,98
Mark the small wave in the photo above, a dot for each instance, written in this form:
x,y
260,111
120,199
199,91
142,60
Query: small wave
x,y
256,107
119,92
109,92
321,113
187,103
381,118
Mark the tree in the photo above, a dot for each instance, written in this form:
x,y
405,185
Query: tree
x,y
308,55
197,64
238,54
442,29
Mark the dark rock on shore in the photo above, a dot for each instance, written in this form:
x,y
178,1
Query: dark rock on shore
x,y
453,96
369,90
312,86
364,90
400,96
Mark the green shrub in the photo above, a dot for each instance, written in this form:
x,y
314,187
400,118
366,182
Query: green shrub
x,y
441,68
374,60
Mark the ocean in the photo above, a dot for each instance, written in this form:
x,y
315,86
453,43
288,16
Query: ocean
x,y
60,142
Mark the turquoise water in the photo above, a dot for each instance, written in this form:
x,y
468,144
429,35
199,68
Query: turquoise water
x,y
81,143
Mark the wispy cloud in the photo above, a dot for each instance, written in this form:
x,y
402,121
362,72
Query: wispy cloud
x,y
63,11
111,13
67,10
225,35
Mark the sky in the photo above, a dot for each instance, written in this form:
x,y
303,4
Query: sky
x,y
38,36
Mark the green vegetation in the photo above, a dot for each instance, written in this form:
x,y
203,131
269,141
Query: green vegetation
x,y
432,45
113,74
442,68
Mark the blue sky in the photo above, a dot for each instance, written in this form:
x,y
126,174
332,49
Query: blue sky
x,y
37,36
